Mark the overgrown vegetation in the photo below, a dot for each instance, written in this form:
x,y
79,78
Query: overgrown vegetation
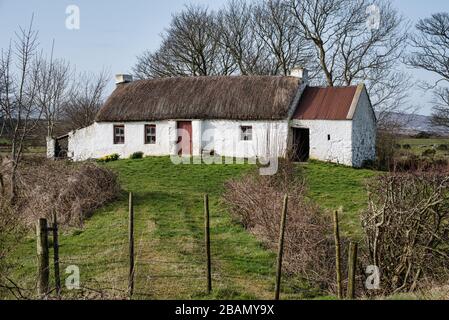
x,y
256,201
406,230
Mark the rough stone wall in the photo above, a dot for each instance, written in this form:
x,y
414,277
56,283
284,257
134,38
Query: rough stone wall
x,y
364,132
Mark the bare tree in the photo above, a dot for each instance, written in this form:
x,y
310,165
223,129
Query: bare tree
x,y
348,51
286,46
20,113
431,53
52,88
85,99
238,34
189,48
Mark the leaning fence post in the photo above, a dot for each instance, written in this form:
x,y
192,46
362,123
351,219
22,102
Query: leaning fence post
x,y
352,263
207,243
337,255
131,245
281,249
56,255
43,257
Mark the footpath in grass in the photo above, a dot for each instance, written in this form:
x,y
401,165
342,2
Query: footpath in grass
x,y
170,262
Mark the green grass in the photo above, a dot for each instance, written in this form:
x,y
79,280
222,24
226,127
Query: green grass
x,y
169,234
418,146
336,187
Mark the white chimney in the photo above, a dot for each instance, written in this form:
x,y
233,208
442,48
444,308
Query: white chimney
x,y
123,78
301,73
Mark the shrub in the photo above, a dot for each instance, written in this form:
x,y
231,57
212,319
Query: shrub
x,y
397,146
407,147
256,202
423,135
109,158
73,191
406,229
443,147
136,155
429,153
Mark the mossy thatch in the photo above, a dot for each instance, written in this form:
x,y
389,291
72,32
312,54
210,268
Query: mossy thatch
x,y
233,98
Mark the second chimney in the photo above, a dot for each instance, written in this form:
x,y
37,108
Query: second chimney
x,y
300,72
123,79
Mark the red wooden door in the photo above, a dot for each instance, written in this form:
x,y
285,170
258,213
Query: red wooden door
x,y
185,138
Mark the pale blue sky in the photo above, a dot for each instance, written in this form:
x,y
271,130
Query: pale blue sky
x,y
112,33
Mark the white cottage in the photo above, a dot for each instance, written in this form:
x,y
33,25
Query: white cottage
x,y
235,116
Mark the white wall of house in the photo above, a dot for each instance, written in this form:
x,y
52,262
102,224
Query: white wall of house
x,y
97,140
221,136
224,138
364,131
336,150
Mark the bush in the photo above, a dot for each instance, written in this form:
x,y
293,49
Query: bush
x,y
109,158
136,155
429,153
407,147
423,135
443,147
385,150
397,146
406,229
256,202
73,191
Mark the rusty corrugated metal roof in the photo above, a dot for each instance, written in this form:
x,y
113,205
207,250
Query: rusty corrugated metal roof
x,y
333,103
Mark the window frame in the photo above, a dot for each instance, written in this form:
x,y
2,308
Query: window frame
x,y
146,135
116,137
245,135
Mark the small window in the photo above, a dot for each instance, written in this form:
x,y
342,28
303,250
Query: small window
x,y
119,134
328,137
246,133
150,134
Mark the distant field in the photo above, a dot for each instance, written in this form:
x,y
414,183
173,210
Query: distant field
x,y
169,234
418,146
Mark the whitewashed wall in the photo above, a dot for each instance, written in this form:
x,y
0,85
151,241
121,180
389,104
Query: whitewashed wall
x,y
338,149
364,130
224,138
97,140
221,136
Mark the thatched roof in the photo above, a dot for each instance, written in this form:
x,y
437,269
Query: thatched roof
x,y
233,98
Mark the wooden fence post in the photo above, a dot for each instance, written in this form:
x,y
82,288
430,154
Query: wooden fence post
x,y
281,249
352,263
43,257
131,246
337,255
56,254
207,243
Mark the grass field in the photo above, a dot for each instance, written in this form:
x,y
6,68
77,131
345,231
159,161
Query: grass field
x,y
169,234
418,146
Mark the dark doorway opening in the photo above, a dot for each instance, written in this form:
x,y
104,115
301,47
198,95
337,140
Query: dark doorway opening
x,y
301,144
62,147
184,138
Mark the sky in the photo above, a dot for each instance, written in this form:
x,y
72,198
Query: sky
x,y
112,33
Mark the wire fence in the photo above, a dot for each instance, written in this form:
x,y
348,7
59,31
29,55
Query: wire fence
x,y
170,266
